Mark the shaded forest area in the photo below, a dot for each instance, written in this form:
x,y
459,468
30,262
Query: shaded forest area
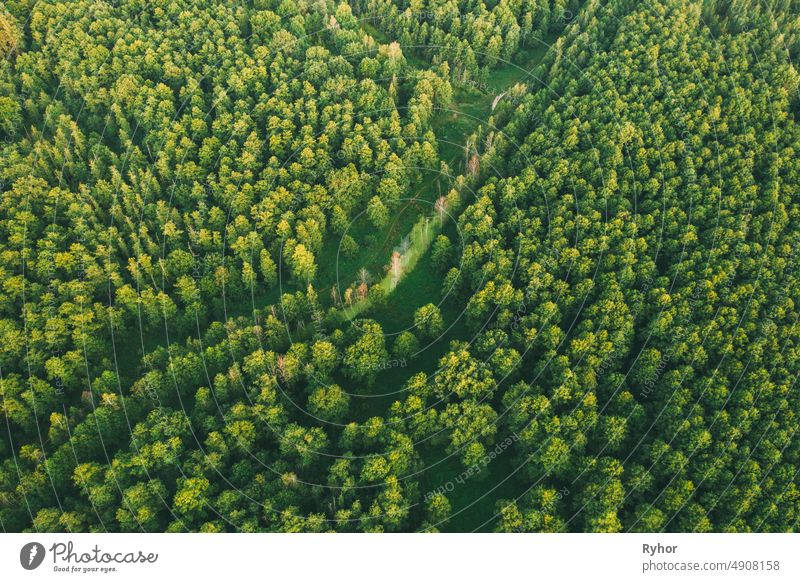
x,y
200,202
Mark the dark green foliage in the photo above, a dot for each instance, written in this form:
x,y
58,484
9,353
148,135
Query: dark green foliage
x,y
618,345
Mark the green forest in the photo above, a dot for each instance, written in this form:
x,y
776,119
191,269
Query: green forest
x,y
399,266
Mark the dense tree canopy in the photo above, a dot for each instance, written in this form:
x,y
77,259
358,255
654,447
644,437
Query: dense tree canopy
x,y
253,280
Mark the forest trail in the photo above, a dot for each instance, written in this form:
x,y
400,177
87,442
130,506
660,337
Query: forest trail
x,y
468,110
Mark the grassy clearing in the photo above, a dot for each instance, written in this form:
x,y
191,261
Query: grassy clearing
x,y
453,126
376,247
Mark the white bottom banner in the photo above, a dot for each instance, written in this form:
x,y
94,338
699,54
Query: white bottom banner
x,y
423,557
